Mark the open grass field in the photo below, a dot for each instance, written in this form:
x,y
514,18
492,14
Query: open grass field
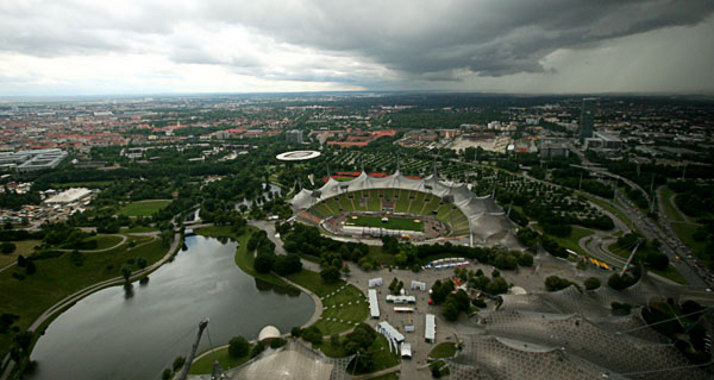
x,y
685,233
383,359
89,184
443,350
138,229
571,242
205,364
393,223
343,305
143,208
106,241
23,247
58,277
669,209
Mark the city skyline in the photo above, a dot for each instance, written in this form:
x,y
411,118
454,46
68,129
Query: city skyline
x,y
155,47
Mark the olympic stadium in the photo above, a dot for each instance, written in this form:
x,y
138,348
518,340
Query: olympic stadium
x,y
422,210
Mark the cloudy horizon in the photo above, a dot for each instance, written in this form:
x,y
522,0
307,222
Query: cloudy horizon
x,y
75,47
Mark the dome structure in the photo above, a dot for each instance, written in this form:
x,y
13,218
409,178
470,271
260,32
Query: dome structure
x,y
268,332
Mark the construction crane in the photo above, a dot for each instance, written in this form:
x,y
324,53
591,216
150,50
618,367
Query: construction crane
x,y
184,373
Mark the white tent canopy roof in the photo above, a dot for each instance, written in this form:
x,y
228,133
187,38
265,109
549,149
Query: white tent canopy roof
x,y
488,223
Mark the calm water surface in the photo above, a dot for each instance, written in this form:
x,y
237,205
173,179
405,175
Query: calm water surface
x,y
109,335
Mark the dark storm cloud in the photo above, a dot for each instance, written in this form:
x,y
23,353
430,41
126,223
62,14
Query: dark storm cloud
x,y
491,38
370,43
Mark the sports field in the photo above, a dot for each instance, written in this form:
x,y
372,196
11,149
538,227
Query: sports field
x,y
392,224
144,208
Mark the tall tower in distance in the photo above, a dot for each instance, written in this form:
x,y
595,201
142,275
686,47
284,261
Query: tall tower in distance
x,y
587,117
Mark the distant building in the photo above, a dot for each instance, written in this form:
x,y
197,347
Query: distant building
x,y
603,141
32,160
553,148
69,196
587,118
294,136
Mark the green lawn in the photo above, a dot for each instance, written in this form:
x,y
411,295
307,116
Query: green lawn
x,y
58,277
106,241
685,231
375,252
343,304
393,223
571,242
89,184
205,364
443,350
137,229
144,208
22,247
669,209
383,359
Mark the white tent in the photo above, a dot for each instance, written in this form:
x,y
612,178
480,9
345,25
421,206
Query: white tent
x,y
418,285
430,330
373,304
406,350
375,282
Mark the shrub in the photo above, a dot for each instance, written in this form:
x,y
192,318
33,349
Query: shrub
x,y
555,283
7,248
277,343
238,347
592,283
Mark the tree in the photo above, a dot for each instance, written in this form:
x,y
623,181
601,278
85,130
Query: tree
x,y
330,274
618,282
263,263
451,311
555,283
7,248
287,264
178,363
312,334
525,260
238,347
497,285
592,283
657,260
390,244
125,272
21,261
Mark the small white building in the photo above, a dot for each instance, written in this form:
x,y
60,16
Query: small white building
x,y
373,304
418,285
375,282
406,350
401,299
430,329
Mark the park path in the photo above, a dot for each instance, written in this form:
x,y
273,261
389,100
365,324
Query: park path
x,y
123,240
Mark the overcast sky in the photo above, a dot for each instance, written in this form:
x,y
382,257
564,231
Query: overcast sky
x,y
83,47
